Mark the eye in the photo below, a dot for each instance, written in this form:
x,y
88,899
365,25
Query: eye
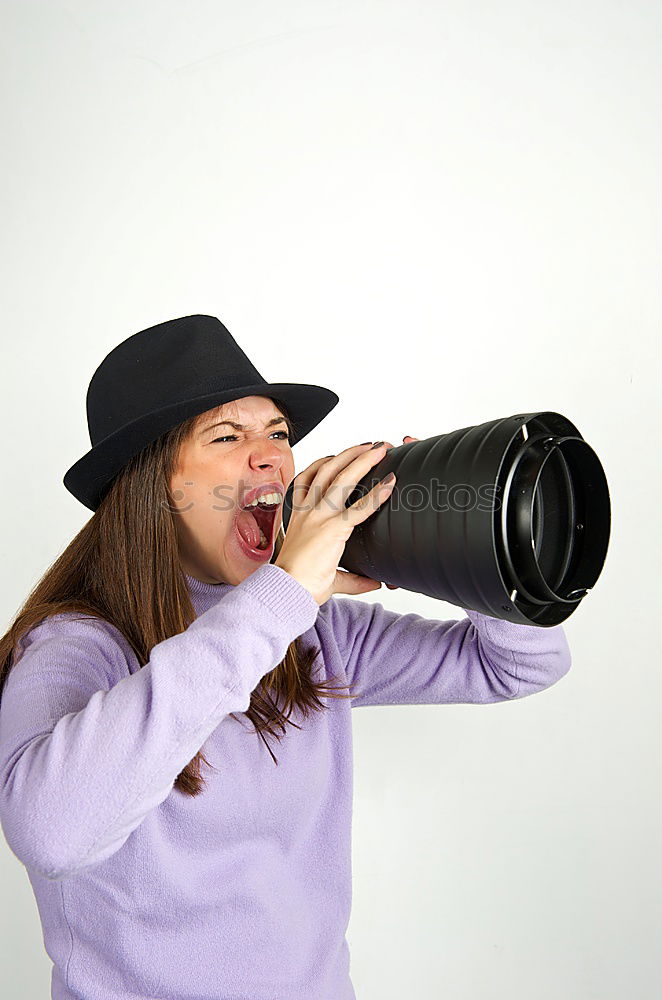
x,y
233,437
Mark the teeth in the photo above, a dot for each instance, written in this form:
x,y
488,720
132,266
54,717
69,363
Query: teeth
x,y
274,498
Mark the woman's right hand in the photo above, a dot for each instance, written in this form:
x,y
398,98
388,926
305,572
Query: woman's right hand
x,y
320,523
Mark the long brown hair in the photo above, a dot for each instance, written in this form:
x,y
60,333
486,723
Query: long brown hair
x,y
123,567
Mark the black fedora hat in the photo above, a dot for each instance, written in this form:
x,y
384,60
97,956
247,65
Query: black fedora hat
x,y
163,375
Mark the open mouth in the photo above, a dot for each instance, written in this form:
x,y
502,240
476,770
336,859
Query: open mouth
x,y
255,524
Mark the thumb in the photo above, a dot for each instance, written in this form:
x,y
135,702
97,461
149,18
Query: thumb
x,y
353,583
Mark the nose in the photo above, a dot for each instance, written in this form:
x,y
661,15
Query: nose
x,y
265,454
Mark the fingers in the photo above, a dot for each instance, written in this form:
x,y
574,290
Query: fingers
x,y
353,583
331,471
334,462
303,480
337,489
369,502
333,477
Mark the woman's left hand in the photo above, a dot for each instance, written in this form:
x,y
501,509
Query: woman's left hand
x,y
406,439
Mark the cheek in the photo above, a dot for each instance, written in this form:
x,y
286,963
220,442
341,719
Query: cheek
x,y
217,487
209,477
201,492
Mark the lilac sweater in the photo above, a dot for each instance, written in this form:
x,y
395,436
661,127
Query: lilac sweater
x,y
243,892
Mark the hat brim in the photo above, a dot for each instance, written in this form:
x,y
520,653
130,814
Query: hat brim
x,y
90,477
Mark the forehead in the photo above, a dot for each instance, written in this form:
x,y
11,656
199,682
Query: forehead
x,y
242,410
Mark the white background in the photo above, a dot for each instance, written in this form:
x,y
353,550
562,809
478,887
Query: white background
x,y
447,212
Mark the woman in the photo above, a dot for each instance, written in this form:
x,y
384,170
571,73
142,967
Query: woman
x,y
179,613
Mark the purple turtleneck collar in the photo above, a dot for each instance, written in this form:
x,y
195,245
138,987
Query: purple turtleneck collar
x,y
203,595
198,588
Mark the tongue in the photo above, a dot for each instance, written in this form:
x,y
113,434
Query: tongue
x,y
248,528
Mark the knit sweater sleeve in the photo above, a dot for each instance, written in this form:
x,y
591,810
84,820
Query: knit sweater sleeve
x,y
88,748
406,659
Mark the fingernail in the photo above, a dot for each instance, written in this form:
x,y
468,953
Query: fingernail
x,y
378,444
364,442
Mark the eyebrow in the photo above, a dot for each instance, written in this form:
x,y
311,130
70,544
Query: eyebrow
x,y
241,427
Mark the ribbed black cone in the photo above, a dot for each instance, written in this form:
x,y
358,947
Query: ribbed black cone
x,y
510,517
